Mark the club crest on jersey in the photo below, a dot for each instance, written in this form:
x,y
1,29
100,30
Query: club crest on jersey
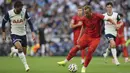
x,y
18,21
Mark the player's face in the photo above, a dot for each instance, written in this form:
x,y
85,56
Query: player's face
x,y
87,13
109,8
80,11
18,10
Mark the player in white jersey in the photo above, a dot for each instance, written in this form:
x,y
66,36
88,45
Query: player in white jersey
x,y
111,31
17,18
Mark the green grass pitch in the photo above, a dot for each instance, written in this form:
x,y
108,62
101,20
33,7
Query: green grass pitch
x,y
49,65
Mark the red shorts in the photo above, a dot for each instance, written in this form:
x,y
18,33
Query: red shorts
x,y
120,41
87,41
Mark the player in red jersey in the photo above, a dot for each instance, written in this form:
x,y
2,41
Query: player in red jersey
x,y
90,38
120,40
76,29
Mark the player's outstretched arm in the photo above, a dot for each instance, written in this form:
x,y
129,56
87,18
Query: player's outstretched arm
x,y
4,21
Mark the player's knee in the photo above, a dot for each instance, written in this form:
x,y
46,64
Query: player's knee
x,y
78,46
18,45
112,44
91,50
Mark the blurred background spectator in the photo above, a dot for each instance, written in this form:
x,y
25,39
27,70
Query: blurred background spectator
x,y
51,22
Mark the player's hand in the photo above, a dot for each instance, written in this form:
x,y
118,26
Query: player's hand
x,y
78,41
3,36
117,26
79,23
33,36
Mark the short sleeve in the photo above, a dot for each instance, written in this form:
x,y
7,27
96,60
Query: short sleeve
x,y
101,16
6,17
27,15
118,18
74,17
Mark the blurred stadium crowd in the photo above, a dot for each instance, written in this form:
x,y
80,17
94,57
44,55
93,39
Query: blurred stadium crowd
x,y
51,22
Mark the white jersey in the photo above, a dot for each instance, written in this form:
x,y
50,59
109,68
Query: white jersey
x,y
109,27
18,22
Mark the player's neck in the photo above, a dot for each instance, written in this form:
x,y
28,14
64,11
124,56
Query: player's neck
x,y
15,12
79,15
90,16
109,13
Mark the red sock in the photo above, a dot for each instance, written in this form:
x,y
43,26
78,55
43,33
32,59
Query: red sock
x,y
88,59
125,52
72,53
83,53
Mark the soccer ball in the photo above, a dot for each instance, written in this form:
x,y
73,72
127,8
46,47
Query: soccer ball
x,y
72,68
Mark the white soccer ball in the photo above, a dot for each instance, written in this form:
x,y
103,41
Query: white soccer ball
x,y
73,68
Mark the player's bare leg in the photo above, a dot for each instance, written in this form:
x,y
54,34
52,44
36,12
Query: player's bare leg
x,y
83,54
106,54
70,55
21,55
125,53
114,52
24,50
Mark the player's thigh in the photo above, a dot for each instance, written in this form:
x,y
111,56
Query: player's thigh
x,y
111,38
16,41
123,41
112,43
83,41
117,41
93,45
18,45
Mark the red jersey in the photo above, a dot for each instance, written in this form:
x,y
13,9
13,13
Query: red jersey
x,y
120,32
76,30
93,25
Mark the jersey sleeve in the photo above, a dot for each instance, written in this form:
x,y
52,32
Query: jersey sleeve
x,y
118,18
27,16
29,21
73,19
101,16
5,19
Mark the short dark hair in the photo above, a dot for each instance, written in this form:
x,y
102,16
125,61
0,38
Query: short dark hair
x,y
109,3
18,4
80,7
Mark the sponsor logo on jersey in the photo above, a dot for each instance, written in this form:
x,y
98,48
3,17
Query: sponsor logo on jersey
x,y
18,21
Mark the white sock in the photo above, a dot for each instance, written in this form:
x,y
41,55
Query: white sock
x,y
84,67
126,58
14,50
65,60
114,53
22,58
107,51
82,60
